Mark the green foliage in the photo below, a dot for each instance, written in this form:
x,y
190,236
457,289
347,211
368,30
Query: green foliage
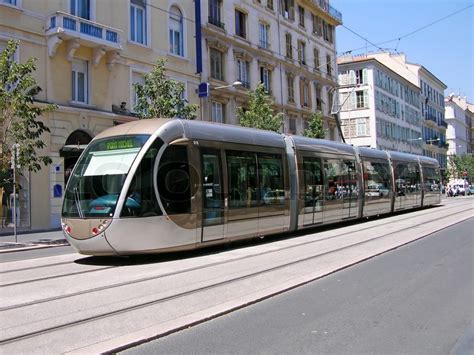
x,y
458,164
19,112
161,97
315,126
260,114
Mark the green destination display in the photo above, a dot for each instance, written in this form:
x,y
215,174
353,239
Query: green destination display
x,y
121,144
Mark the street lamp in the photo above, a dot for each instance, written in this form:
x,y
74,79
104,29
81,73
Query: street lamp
x,y
207,90
413,139
235,83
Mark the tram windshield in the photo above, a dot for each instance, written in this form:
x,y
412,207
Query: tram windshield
x,y
98,178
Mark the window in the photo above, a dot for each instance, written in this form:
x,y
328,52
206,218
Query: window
x,y
141,199
240,24
270,4
242,170
289,47
176,32
217,114
264,34
138,21
328,65
317,64
271,182
319,100
291,87
302,52
361,76
174,186
217,68
265,78
79,81
362,99
215,13
243,70
81,8
11,2
378,179
317,25
292,126
288,9
301,15
137,78
305,93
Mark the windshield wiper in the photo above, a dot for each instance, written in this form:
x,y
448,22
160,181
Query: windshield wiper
x,y
77,199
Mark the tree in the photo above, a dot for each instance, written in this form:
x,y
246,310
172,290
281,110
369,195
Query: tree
x,y
260,114
19,113
315,126
458,165
161,97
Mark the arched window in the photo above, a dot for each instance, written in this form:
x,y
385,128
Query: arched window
x,y
176,31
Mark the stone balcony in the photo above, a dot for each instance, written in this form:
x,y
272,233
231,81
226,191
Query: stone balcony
x,y
331,11
76,31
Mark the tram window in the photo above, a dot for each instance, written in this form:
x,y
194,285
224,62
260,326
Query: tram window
x,y
141,199
431,179
174,180
272,187
313,181
242,170
407,178
376,178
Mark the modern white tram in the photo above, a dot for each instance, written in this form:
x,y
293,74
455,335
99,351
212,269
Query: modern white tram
x,y
161,185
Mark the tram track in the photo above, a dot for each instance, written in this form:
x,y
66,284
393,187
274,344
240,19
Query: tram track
x,y
197,290
191,269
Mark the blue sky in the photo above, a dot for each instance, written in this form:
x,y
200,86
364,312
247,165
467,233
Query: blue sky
x,y
445,48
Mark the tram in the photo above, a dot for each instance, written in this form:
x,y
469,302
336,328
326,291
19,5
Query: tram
x,y
162,185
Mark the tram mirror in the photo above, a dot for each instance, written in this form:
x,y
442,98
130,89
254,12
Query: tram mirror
x,y
180,141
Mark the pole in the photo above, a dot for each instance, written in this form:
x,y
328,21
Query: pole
x,y
15,152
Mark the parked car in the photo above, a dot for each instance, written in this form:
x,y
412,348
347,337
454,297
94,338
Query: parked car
x,y
470,190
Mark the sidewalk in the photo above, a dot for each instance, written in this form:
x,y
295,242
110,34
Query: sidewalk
x,y
33,240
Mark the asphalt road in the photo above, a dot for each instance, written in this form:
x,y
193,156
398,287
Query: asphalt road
x,y
417,299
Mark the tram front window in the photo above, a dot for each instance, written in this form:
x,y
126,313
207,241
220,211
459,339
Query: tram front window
x,y
98,178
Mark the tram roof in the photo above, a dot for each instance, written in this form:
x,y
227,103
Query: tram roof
x,y
403,156
322,145
172,129
372,153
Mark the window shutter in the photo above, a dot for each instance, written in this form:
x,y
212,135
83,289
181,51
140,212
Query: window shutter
x,y
364,76
366,98
353,100
310,101
352,77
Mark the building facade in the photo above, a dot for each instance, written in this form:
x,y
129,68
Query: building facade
x,y
288,45
90,52
379,108
459,115
433,121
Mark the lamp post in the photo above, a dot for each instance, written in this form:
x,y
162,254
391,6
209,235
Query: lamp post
x,y
14,165
209,88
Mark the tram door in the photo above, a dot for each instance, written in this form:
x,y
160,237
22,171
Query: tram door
x,y
313,191
212,195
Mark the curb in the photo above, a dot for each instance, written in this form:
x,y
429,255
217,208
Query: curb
x,y
26,247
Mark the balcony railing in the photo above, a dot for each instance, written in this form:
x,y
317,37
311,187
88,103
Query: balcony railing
x,y
93,32
264,44
214,21
443,123
324,5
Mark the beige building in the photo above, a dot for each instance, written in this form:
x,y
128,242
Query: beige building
x,y
288,45
89,54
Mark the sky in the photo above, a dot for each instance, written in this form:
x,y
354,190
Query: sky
x,y
445,48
